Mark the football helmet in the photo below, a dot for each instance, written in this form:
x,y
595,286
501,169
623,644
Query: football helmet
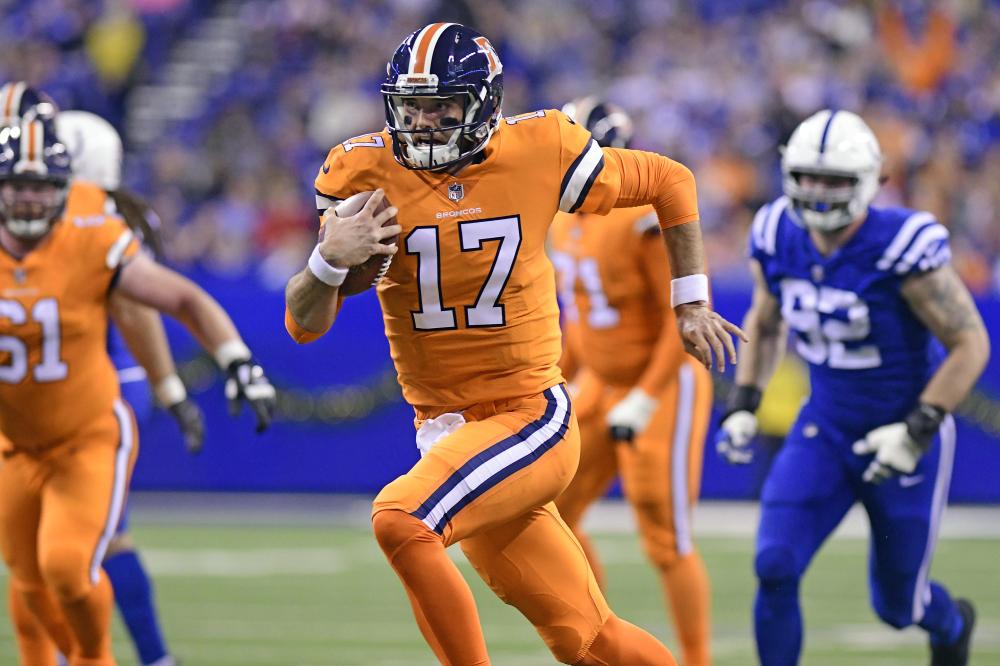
x,y
19,100
94,147
443,61
608,123
34,178
842,154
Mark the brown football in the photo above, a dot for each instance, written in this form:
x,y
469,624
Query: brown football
x,y
366,275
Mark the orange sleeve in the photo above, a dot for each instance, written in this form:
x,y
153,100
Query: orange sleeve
x,y
302,335
668,353
649,178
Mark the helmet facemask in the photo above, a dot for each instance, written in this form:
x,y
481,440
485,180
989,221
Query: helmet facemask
x,y
30,204
824,201
453,140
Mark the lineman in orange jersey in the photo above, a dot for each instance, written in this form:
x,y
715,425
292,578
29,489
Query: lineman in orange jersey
x,y
470,312
69,441
633,383
96,155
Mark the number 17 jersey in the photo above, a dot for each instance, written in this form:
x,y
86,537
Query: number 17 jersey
x,y
869,356
469,302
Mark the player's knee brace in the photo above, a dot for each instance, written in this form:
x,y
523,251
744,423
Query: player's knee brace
x,y
775,566
394,528
66,571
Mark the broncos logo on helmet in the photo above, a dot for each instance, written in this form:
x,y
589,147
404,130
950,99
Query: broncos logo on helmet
x,y
442,61
34,178
19,100
607,122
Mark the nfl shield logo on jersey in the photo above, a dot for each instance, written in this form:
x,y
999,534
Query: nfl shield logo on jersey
x,y
456,191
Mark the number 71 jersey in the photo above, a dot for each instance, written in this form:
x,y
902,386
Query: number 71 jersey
x,y
869,355
469,301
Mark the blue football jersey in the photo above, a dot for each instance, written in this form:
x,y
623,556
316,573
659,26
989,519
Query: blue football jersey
x,y
868,354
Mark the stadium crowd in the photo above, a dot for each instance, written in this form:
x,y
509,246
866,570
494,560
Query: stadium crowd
x,y
716,84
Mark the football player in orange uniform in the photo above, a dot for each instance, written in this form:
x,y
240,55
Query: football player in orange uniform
x,y
96,155
69,441
642,402
470,311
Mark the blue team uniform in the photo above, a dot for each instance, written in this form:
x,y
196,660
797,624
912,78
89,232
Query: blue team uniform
x,y
869,359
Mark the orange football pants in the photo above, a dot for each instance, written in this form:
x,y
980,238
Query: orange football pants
x,y
661,476
490,485
58,512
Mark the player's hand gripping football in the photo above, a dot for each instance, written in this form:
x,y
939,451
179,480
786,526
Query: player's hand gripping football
x,y
351,241
191,422
246,383
705,333
899,446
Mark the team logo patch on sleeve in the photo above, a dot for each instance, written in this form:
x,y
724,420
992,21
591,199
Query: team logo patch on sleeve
x,y
456,191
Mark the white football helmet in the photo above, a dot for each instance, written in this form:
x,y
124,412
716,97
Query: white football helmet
x,y
835,145
94,146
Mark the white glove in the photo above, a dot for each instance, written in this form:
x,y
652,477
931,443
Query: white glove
x,y
732,441
631,415
895,452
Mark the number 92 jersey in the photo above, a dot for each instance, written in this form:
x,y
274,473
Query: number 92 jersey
x,y
469,301
55,373
868,353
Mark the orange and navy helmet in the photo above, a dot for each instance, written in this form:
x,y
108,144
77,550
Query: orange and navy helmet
x,y
34,178
608,123
19,100
443,60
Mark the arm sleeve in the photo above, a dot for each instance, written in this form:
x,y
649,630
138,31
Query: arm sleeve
x,y
595,179
631,178
301,335
668,352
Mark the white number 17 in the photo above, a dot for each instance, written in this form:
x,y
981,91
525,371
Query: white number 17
x,y
487,310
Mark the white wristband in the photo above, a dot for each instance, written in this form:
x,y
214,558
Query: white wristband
x,y
324,272
688,289
169,391
229,351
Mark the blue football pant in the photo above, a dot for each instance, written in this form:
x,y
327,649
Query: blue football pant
x,y
814,481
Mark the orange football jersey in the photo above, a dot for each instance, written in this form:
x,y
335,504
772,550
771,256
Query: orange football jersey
x,y
87,200
55,373
469,302
614,284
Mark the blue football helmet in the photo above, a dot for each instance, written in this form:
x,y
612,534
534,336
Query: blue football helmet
x,y
20,101
34,178
439,61
607,122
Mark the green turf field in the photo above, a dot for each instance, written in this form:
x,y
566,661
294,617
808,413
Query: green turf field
x,y
311,596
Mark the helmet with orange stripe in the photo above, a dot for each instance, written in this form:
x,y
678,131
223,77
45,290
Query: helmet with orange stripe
x,y
20,101
442,92
34,178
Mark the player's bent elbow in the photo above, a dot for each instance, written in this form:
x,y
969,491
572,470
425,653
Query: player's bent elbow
x,y
299,333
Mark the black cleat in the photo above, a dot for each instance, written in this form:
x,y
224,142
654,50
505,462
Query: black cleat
x,y
957,654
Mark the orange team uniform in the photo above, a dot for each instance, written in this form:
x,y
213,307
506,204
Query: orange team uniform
x,y
69,441
621,333
470,312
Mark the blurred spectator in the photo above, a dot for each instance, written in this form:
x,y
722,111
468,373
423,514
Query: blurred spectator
x,y
718,84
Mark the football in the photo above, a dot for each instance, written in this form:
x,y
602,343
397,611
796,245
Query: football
x,y
366,275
